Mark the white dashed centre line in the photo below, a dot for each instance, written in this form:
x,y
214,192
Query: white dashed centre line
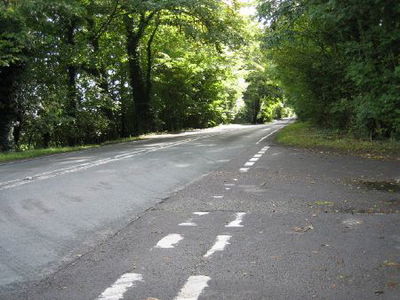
x,y
169,241
119,288
238,220
218,196
190,222
254,159
220,244
244,170
193,288
201,213
249,164
258,155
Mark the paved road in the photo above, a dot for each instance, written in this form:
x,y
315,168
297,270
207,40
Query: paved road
x,y
215,214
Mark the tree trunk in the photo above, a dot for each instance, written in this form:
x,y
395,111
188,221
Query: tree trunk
x,y
8,78
141,98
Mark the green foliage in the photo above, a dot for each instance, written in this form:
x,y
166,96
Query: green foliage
x,y
304,134
87,71
338,61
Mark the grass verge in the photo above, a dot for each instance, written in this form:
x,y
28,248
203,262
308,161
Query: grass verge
x,y
304,135
19,155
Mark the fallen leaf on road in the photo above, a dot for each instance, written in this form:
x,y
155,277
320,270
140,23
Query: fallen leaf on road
x,y
388,263
392,285
303,229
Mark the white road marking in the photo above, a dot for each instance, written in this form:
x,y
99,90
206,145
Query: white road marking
x,y
265,148
258,155
244,170
193,288
201,213
188,223
249,164
268,135
220,244
229,184
218,196
118,289
254,159
235,179
95,163
169,241
237,222
227,189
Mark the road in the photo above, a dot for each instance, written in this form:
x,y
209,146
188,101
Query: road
x,y
222,213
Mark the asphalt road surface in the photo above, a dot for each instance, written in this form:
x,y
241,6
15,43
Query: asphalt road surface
x,y
222,213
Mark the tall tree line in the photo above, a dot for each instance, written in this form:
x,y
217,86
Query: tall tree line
x,y
86,71
338,62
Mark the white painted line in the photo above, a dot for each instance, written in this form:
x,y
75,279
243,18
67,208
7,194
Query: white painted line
x,y
92,164
244,170
218,197
227,189
193,288
265,148
235,179
220,244
249,164
258,155
229,184
261,152
188,223
118,289
237,222
268,135
254,159
169,241
201,213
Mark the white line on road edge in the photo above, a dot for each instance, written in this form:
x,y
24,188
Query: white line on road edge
x,y
118,289
193,288
201,213
258,155
249,164
220,244
88,165
169,241
254,159
237,221
244,170
268,135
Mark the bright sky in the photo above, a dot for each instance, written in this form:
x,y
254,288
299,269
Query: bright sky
x,y
249,9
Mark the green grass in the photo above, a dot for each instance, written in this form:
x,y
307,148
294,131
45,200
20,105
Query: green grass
x,y
18,155
302,134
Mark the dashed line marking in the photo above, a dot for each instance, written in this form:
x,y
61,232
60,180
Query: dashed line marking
x,y
219,245
229,184
201,213
244,170
193,288
249,164
119,288
238,220
227,188
218,196
258,155
188,223
268,135
169,241
254,159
